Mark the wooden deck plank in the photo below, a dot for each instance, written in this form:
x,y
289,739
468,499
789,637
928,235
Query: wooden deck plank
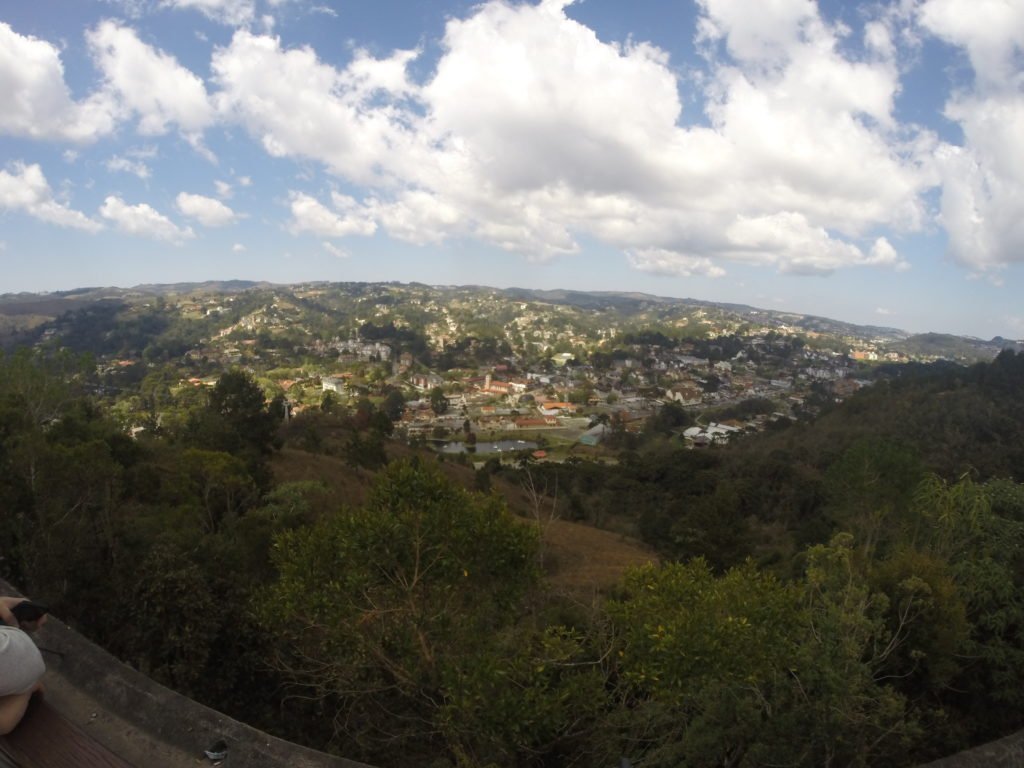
x,y
8,758
44,739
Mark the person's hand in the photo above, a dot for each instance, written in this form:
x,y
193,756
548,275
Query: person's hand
x,y
6,603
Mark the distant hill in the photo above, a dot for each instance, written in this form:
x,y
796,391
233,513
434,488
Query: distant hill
x,y
627,302
953,419
776,491
210,286
957,347
55,302
633,302
36,310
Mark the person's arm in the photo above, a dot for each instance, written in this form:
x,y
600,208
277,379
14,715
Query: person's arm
x,y
6,603
12,709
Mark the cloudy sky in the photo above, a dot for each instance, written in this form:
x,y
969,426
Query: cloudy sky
x,y
863,161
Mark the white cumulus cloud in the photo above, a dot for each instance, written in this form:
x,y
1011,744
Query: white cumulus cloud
x,y
148,83
982,206
798,164
37,101
990,31
346,218
789,240
117,163
25,189
143,220
297,106
206,210
534,135
664,262
233,12
532,132
766,37
335,251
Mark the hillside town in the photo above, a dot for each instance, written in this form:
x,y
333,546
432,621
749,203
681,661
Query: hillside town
x,y
479,370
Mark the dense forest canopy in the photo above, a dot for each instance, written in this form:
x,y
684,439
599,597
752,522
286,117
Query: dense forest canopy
x,y
839,592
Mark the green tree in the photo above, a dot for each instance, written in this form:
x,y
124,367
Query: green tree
x,y
438,400
237,420
380,609
34,392
219,482
174,620
842,699
668,418
330,402
977,670
394,405
240,401
725,670
870,490
155,391
711,526
699,661
367,452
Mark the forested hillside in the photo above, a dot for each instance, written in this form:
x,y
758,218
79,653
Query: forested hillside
x,y
790,486
841,592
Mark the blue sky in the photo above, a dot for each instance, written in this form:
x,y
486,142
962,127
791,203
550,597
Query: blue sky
x,y
862,161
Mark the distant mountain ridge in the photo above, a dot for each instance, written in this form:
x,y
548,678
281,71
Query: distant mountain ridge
x,y
939,343
591,299
38,308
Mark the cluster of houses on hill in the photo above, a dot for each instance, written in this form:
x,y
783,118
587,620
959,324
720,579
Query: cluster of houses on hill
x,y
572,398
578,393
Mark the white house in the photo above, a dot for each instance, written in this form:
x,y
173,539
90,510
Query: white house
x,y
333,384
